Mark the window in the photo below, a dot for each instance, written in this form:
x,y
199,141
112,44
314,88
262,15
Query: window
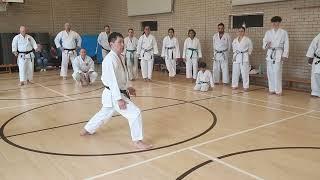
x,y
152,24
255,20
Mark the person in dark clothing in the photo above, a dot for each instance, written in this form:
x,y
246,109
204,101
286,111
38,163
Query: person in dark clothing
x,y
42,58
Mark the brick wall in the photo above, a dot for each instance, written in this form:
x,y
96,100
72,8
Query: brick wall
x,y
50,16
301,18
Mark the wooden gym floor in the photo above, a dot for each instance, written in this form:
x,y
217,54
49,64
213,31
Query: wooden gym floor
x,y
221,134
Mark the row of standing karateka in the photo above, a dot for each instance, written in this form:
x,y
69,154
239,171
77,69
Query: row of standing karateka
x,y
276,42
116,95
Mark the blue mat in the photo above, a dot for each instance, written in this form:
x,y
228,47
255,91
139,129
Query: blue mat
x,y
89,42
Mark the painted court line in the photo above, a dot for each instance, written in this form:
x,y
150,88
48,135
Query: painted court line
x,y
227,165
194,146
57,92
10,107
236,100
253,104
261,100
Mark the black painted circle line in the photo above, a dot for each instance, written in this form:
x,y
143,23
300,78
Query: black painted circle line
x,y
191,170
4,137
50,97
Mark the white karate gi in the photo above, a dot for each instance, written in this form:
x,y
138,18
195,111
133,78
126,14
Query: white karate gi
x,y
147,48
103,41
221,49
25,58
192,53
114,76
314,52
204,81
241,52
170,52
130,51
84,68
279,48
70,41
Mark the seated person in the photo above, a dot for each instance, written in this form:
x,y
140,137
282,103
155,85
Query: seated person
x,y
83,67
204,78
42,58
55,57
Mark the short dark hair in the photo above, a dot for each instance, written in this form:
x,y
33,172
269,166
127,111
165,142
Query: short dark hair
x,y
243,28
106,26
146,26
171,29
221,24
202,65
113,36
192,31
276,19
130,29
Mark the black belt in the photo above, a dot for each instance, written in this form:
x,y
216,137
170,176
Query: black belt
x,y
24,52
218,52
317,57
105,49
69,49
203,82
124,92
169,48
242,53
147,50
273,53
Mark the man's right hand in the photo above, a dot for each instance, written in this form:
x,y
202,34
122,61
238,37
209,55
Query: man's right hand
x,y
61,49
268,45
122,104
310,61
15,53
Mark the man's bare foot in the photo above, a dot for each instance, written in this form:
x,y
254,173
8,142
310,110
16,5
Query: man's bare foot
x,y
29,82
79,84
64,78
21,83
279,94
225,84
149,80
171,78
84,132
271,92
246,89
145,79
141,145
234,88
